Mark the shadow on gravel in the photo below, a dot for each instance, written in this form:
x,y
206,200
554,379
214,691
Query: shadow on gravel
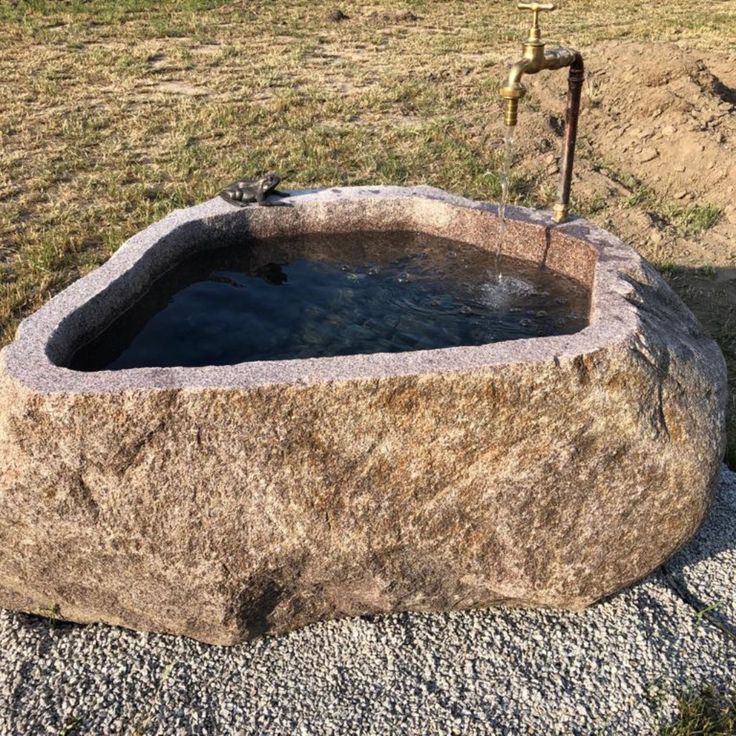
x,y
703,572
33,621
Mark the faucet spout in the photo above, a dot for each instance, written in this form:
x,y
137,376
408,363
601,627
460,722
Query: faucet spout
x,y
514,90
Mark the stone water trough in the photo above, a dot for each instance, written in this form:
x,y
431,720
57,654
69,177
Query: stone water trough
x,y
224,502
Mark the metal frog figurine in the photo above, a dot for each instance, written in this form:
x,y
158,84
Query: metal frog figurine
x,y
256,191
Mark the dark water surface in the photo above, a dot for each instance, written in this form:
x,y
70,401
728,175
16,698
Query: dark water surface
x,y
334,295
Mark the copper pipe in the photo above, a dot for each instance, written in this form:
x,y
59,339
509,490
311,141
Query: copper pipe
x,y
575,87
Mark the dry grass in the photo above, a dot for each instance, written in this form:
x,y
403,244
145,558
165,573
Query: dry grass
x,y
707,713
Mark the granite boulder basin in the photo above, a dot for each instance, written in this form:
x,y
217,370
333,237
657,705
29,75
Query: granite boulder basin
x,y
224,502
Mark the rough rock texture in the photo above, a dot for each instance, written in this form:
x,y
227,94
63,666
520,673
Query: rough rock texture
x,y
225,502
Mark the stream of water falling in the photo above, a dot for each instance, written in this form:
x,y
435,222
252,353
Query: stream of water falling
x,y
508,150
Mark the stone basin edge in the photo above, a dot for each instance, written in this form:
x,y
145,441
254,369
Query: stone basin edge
x,y
614,318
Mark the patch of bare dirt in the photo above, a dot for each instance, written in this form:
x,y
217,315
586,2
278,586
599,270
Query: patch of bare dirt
x,y
662,113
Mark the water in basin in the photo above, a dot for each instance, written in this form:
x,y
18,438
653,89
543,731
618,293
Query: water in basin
x,y
318,296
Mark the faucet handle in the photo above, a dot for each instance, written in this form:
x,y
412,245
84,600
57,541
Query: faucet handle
x,y
535,33
536,7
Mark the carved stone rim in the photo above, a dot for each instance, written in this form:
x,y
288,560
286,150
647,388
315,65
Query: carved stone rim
x,y
44,338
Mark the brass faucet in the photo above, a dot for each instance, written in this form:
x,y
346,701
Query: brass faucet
x,y
537,58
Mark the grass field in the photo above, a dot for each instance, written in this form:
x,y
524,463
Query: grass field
x,y
114,113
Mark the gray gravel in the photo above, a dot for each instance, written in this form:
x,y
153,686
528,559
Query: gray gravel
x,y
613,669
705,570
